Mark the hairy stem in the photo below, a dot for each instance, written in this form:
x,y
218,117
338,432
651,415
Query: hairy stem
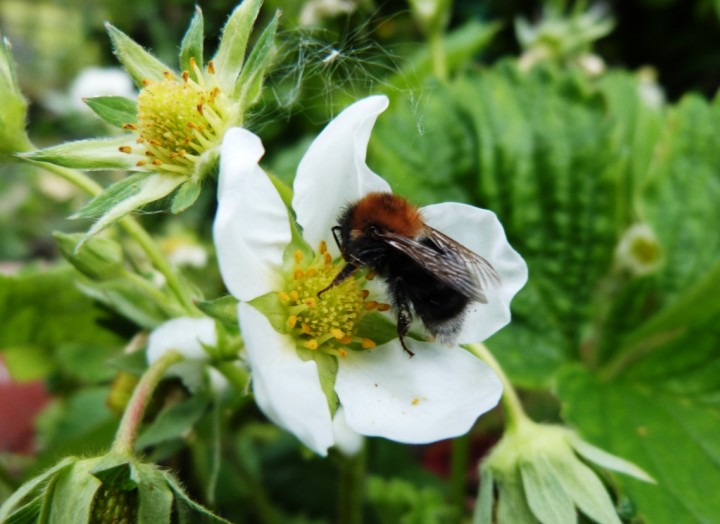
x,y
352,488
135,410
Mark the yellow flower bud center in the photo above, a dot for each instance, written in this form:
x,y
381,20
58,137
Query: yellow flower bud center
x,y
330,322
178,120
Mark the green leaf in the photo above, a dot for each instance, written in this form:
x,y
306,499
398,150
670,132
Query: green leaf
x,y
672,436
512,506
141,65
174,421
26,363
483,513
93,154
230,53
115,110
192,44
99,259
185,196
223,309
126,196
134,362
248,86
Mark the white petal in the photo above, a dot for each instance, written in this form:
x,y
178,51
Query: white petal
x,y
185,335
333,172
480,231
286,389
251,226
435,395
347,440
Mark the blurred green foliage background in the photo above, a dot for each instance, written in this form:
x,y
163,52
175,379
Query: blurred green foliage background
x,y
620,342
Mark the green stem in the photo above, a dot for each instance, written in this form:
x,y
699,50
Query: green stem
x,y
136,231
514,413
458,473
135,410
351,488
437,52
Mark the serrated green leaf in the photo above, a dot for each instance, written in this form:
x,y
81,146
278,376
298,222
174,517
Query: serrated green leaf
x,y
115,110
223,309
185,196
126,196
93,154
174,421
671,436
230,53
140,64
248,86
192,43
545,493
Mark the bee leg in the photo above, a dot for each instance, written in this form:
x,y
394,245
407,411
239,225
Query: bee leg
x,y
345,273
404,318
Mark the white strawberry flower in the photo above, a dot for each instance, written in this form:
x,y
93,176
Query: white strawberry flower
x,y
313,358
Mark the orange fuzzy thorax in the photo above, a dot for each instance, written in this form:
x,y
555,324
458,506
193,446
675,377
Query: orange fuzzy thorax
x,y
386,211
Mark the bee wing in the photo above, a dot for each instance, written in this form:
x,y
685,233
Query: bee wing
x,y
453,263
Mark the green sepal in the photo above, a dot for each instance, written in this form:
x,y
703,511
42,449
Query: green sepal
x,y
377,327
99,259
284,190
483,513
274,310
156,497
174,421
138,304
230,53
545,493
13,138
327,367
19,506
248,85
93,154
134,362
185,196
186,504
126,196
141,65
192,44
223,309
512,507
115,110
73,494
116,471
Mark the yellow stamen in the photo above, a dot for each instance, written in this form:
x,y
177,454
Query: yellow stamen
x,y
337,333
284,297
292,321
310,302
298,256
383,307
311,344
299,274
323,247
125,149
367,343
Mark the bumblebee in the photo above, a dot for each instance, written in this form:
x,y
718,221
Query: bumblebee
x,y
427,273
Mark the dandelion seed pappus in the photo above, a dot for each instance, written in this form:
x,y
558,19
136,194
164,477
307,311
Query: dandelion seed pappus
x,y
426,272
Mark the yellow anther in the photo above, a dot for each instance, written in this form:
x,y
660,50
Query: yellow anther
x,y
310,302
327,258
415,401
370,305
168,75
294,295
367,343
284,297
306,328
311,344
383,307
185,76
193,62
157,162
370,275
211,67
342,352
298,274
298,256
130,127
140,163
125,149
337,333
323,247
346,340
292,321
365,293
146,82
311,272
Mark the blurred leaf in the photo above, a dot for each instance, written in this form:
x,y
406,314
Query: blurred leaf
x,y
223,309
399,501
27,363
672,435
174,421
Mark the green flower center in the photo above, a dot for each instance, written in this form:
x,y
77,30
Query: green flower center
x,y
329,322
178,119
